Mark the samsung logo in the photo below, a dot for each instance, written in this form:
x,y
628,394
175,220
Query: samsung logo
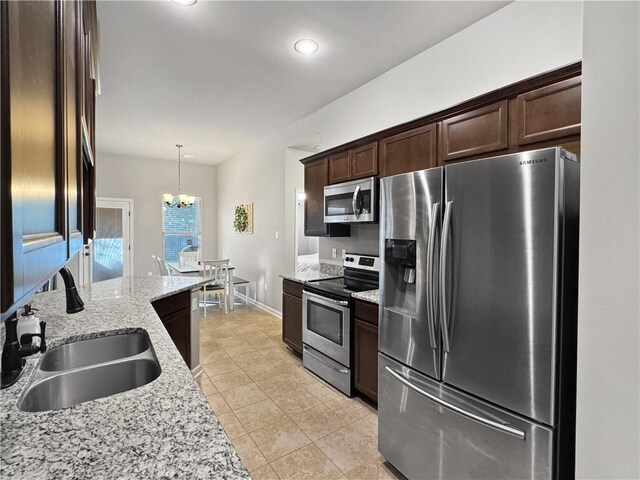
x,y
533,161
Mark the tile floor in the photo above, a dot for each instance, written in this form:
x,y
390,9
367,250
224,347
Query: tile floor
x,y
284,422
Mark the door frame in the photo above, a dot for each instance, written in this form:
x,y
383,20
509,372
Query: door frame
x,y
126,204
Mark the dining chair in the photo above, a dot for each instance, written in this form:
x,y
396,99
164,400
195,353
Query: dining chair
x,y
188,258
161,266
156,265
217,271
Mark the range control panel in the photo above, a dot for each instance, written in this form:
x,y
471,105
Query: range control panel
x,y
362,262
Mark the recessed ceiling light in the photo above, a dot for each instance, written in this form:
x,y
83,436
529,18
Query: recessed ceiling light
x,y
306,46
184,3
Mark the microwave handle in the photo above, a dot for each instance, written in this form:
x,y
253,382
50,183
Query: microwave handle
x,y
354,201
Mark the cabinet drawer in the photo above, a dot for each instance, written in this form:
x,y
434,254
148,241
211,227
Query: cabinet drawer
x,y
167,306
549,112
367,312
292,288
483,130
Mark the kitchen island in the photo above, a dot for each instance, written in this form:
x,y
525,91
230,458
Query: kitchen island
x,y
163,429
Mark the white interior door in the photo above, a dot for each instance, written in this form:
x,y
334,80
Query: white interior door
x,y
111,252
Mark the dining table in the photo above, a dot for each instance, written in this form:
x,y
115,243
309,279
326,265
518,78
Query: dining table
x,y
196,269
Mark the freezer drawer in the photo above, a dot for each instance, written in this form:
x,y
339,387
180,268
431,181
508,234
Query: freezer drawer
x,y
429,431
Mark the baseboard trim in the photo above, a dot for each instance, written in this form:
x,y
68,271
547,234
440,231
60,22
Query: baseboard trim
x,y
260,305
195,372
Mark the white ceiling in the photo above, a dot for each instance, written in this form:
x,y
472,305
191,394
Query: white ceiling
x,y
219,76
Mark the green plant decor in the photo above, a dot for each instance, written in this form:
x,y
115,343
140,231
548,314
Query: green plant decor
x,y
241,219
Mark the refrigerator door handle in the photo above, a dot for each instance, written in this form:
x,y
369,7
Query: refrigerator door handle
x,y
444,320
502,427
431,299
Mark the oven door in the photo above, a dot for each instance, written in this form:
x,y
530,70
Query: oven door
x,y
326,326
351,202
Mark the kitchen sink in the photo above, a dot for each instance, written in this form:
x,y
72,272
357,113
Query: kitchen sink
x,y
86,370
95,350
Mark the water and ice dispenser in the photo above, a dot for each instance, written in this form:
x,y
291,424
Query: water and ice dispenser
x,y
402,255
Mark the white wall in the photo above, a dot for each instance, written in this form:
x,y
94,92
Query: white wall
x,y
259,257
145,180
608,403
521,40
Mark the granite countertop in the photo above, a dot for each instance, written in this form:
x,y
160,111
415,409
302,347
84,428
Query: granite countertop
x,y
163,429
302,277
327,272
372,296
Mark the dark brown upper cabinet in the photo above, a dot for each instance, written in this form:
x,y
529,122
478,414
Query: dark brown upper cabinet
x,y
408,151
340,167
477,132
364,161
41,188
73,107
352,164
316,177
549,113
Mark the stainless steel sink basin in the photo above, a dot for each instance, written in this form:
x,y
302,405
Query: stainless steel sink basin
x,y
96,350
90,369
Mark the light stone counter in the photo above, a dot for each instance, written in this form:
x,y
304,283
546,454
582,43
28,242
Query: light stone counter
x,y
160,430
327,272
372,296
303,277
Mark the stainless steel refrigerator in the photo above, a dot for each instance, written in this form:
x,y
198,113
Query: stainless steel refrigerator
x,y
478,318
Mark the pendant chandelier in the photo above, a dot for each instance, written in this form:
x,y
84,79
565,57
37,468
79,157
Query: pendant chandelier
x,y
181,200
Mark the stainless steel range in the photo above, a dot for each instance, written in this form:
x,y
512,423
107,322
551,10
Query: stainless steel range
x,y
327,321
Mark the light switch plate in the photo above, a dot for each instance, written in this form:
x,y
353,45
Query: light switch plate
x,y
344,253
334,253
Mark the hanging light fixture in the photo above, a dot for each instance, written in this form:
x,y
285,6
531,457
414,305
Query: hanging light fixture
x,y
181,200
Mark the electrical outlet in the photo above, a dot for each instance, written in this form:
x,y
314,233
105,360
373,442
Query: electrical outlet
x,y
194,304
277,234
265,287
150,274
334,253
344,253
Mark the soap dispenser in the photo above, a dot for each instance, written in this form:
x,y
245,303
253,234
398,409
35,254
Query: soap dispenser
x,y
28,322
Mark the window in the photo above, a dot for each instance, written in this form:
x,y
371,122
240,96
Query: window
x,y
181,230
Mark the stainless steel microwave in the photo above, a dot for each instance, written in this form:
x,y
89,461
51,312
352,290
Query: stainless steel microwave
x,y
352,202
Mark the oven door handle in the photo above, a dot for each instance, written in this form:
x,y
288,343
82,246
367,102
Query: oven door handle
x,y
342,303
308,352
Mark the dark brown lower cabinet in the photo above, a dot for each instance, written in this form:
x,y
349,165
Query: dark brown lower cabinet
x,y
366,349
292,315
366,343
176,317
